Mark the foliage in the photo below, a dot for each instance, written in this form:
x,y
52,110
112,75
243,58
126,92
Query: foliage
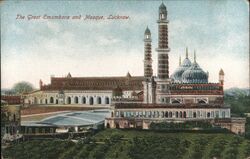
x,y
247,135
239,105
134,144
22,87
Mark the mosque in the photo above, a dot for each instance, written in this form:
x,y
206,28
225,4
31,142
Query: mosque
x,y
186,95
137,101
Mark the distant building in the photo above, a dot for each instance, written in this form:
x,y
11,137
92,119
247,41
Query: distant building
x,y
12,99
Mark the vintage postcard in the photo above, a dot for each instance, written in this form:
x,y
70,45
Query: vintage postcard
x,y
125,79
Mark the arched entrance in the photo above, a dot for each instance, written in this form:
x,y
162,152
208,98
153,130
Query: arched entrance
x,y
107,100
208,114
99,100
91,101
108,126
184,114
170,114
194,115
176,114
166,114
35,100
68,100
181,115
83,100
117,126
51,100
76,100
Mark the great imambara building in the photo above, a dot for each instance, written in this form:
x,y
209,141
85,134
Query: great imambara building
x,y
137,101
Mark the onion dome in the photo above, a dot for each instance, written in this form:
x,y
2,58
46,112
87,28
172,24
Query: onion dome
x,y
194,74
177,75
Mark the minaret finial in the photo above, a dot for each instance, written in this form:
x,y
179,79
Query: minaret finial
x,y
180,61
187,52
194,56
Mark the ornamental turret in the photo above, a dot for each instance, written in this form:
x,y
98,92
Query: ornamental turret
x,y
221,77
148,71
163,49
40,84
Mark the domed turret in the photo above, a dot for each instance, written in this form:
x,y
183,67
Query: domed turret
x,y
147,35
162,7
147,31
194,74
162,12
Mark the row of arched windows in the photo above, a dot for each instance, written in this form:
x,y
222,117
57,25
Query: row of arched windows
x,y
74,100
90,101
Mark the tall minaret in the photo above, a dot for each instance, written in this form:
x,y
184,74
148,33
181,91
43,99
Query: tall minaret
x,y
148,71
163,49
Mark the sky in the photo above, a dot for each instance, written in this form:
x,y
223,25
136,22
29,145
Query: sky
x,y
40,48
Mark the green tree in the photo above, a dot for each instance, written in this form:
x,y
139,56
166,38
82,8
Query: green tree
x,y
22,87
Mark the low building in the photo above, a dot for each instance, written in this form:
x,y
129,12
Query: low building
x,y
84,90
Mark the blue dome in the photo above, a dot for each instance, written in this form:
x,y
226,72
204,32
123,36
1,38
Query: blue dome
x,y
194,74
177,75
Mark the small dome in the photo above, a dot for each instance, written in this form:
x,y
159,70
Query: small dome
x,y
147,31
194,75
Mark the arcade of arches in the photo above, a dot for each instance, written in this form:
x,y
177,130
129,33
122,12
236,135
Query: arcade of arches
x,y
184,113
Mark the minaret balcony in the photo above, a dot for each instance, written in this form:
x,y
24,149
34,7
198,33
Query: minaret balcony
x,y
163,21
162,50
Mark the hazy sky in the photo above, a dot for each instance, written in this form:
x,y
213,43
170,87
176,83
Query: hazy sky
x,y
36,49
